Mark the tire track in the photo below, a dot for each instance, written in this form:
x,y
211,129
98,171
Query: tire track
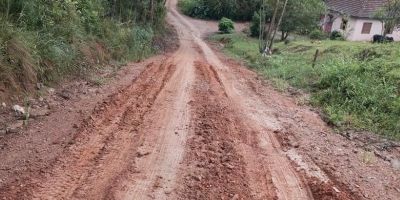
x,y
102,146
166,131
213,168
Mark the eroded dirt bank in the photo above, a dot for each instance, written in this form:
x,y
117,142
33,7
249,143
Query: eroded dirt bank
x,y
190,125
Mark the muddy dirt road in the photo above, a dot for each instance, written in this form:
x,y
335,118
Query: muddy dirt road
x,y
195,125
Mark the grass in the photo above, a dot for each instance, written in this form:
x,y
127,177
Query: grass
x,y
356,84
46,41
28,57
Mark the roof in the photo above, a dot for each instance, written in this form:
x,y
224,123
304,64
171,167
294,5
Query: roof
x,y
356,8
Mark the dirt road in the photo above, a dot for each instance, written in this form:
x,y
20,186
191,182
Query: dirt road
x,y
194,125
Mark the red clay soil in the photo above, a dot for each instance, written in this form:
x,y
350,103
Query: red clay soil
x,y
213,167
191,124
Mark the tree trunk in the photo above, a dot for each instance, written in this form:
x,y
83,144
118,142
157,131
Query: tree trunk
x,y
278,25
383,29
8,9
271,25
114,8
286,35
261,28
151,11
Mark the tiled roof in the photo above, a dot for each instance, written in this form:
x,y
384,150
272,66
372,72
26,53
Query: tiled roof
x,y
356,8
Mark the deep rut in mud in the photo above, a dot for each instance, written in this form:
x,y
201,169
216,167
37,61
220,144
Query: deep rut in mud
x,y
102,147
213,167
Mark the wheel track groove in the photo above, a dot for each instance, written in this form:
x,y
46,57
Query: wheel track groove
x,y
102,147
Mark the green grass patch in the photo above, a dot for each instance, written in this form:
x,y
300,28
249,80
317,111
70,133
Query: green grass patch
x,y
356,84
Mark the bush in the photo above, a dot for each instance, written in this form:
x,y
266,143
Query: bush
x,y
317,35
216,9
336,35
255,25
226,25
193,8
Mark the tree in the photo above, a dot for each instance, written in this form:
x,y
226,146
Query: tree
x,y
216,9
278,25
389,15
267,35
288,16
144,11
267,25
301,16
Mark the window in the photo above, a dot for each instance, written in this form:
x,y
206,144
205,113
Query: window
x,y
366,29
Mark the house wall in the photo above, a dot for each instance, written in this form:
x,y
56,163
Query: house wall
x,y
354,28
336,24
356,34
350,30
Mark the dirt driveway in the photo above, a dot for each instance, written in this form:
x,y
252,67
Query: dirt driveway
x,y
192,125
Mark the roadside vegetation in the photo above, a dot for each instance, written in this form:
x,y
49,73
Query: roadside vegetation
x,y
217,9
226,25
43,41
356,84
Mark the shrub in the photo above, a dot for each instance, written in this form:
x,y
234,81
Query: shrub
x,y
336,35
317,35
255,25
226,25
216,9
193,8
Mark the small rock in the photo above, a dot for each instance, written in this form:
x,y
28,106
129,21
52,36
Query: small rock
x,y
65,95
35,113
140,154
229,166
296,145
396,164
51,90
167,192
18,110
277,131
336,190
235,197
197,178
4,105
13,128
39,86
75,126
93,90
41,99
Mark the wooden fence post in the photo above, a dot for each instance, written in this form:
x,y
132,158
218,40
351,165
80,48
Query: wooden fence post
x,y
315,58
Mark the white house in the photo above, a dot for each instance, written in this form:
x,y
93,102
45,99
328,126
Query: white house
x,y
355,19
